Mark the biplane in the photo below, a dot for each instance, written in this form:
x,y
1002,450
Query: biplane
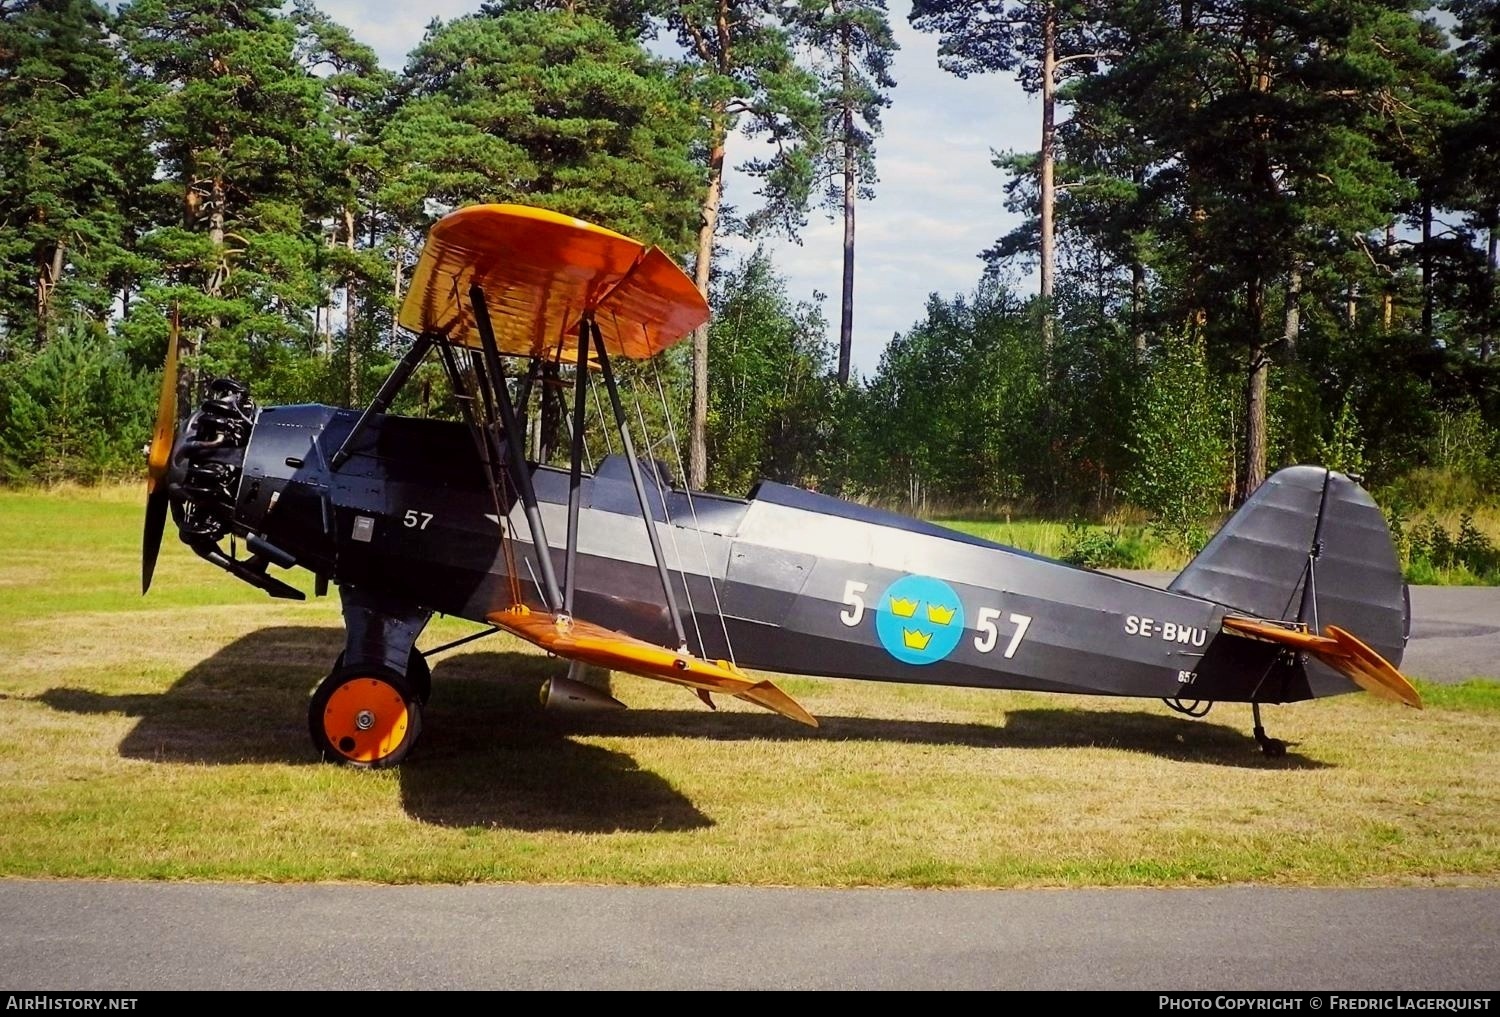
x,y
619,566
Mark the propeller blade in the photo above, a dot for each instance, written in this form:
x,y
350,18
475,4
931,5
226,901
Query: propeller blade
x,y
159,459
160,456
156,522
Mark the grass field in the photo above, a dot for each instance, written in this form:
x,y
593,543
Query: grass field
x,y
166,738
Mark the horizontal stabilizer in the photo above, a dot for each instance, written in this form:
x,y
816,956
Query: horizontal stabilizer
x,y
1339,650
594,644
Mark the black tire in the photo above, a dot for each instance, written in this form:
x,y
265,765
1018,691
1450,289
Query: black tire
x,y
419,676
367,718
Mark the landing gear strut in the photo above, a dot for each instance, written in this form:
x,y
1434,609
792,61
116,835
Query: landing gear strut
x,y
1274,748
368,712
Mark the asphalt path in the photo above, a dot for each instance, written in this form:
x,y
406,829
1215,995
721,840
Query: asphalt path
x,y
125,936
1455,633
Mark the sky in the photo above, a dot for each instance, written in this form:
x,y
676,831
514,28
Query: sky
x,y
938,204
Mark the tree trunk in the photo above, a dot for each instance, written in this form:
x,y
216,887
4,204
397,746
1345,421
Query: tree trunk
x,y
216,237
1048,194
1388,297
1197,314
707,225
1137,302
399,256
846,310
350,342
1427,288
1293,330
1258,369
1351,304
1491,263
326,298
49,271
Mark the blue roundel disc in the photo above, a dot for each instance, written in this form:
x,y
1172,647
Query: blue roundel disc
x,y
919,620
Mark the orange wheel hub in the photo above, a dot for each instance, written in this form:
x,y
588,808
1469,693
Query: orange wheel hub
x,y
366,719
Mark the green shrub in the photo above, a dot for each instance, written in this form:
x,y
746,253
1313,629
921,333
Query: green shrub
x,y
1181,459
1344,450
1429,554
75,410
1103,548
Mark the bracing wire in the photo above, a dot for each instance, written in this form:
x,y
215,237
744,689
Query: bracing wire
x,y
568,422
493,453
693,509
508,545
609,448
635,397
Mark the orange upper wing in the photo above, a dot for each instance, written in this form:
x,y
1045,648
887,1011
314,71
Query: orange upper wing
x,y
541,272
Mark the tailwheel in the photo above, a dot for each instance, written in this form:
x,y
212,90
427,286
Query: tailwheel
x,y
364,717
1273,748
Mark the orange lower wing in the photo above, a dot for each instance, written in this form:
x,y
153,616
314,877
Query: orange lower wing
x,y
1339,650
594,644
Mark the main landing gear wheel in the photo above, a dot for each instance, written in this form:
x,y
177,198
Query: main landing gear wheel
x,y
364,717
418,674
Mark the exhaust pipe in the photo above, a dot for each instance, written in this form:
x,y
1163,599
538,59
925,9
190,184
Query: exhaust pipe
x,y
567,694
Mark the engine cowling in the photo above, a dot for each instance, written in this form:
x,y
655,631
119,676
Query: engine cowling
x,y
208,460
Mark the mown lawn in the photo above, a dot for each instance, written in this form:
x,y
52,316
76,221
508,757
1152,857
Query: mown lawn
x,y
166,738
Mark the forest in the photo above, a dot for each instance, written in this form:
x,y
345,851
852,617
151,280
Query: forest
x,y
1262,233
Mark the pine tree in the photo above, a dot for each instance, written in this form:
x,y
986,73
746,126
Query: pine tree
x,y
1043,41
239,133
631,19
355,89
746,78
1258,119
72,155
1477,153
855,35
549,108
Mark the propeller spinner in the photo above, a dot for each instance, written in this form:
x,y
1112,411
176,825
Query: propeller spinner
x,y
158,460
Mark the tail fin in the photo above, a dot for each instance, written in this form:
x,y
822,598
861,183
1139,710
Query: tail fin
x,y
1309,546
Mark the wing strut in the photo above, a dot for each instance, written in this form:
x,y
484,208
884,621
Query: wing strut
x,y
382,401
517,458
575,465
640,488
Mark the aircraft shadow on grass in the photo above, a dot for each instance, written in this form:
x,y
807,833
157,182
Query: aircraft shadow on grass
x,y
491,756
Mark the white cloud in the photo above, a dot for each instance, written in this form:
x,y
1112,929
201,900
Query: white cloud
x,y
938,203
393,27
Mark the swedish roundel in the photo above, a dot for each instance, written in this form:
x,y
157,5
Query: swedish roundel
x,y
919,620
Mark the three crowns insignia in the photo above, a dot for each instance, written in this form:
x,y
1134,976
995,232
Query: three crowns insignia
x,y
903,608
937,614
